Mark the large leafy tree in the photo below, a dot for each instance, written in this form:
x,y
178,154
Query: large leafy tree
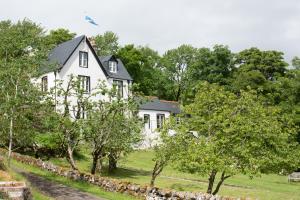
x,y
258,69
235,134
20,53
57,36
296,62
144,65
71,101
118,130
106,44
213,66
176,65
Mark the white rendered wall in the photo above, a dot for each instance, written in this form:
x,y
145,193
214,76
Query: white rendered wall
x,y
151,135
94,71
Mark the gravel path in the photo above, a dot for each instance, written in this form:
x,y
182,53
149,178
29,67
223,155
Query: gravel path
x,y
55,190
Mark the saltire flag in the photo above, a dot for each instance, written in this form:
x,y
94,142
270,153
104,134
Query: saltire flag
x,y
90,20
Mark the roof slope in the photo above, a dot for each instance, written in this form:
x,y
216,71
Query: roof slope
x,y
160,105
58,57
121,73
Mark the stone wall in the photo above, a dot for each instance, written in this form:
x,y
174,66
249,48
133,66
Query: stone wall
x,y
112,185
14,191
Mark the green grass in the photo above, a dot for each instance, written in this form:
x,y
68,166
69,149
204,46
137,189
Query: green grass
x,y
137,167
82,186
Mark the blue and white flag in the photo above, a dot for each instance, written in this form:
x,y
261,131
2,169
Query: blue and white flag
x,y
90,20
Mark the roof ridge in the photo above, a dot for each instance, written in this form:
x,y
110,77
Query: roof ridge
x,y
169,101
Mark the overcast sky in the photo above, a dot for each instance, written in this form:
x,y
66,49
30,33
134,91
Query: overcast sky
x,y
165,24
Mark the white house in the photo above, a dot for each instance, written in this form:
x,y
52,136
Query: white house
x,y
77,57
154,112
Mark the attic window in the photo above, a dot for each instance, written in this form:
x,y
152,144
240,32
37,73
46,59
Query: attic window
x,y
112,66
83,59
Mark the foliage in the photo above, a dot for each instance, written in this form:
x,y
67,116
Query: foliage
x,y
296,62
106,44
176,64
235,134
20,53
112,127
56,37
143,64
166,151
68,123
258,69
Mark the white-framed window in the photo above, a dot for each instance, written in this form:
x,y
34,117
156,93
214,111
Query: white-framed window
x,y
85,83
160,118
45,84
83,112
113,66
147,121
83,59
119,87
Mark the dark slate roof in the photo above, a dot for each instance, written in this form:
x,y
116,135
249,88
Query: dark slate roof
x,y
160,105
121,73
58,57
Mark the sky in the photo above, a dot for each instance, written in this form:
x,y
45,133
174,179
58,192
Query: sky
x,y
166,24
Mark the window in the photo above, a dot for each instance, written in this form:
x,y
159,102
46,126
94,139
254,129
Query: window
x,y
82,112
45,84
160,118
119,87
83,59
147,120
112,66
85,83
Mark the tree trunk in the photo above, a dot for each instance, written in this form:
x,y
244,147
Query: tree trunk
x,y
222,179
96,156
211,181
10,140
158,167
94,165
112,163
70,158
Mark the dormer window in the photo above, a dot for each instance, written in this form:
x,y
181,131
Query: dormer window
x,y
83,59
112,66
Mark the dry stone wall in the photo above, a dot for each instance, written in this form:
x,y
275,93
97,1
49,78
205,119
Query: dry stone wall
x,y
112,185
14,191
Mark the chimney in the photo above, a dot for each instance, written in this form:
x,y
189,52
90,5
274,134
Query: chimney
x,y
93,43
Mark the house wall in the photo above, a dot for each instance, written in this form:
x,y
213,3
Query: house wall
x,y
72,67
94,71
151,135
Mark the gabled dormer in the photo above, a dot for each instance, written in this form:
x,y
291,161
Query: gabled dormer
x,y
115,68
113,65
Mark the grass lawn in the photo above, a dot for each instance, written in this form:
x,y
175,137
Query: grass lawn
x,y
137,166
82,186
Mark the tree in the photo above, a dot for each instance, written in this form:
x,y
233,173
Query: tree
x,y
165,152
106,44
20,53
235,134
58,36
176,64
212,65
118,131
71,102
144,65
296,62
